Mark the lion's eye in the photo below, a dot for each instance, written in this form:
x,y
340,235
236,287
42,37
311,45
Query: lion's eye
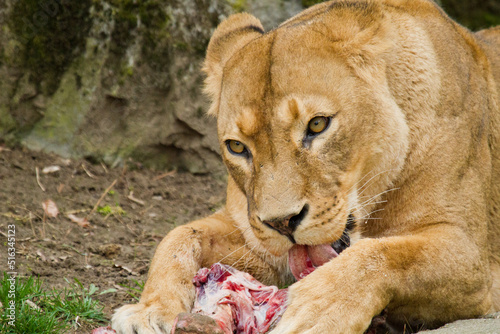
x,y
236,147
317,125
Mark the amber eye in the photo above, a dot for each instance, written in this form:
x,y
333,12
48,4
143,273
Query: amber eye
x,y
235,147
317,125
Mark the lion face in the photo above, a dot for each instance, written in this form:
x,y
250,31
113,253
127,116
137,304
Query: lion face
x,y
305,137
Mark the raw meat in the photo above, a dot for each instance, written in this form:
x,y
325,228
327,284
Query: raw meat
x,y
103,330
237,301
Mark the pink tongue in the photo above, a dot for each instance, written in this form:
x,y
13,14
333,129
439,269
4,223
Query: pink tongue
x,y
303,259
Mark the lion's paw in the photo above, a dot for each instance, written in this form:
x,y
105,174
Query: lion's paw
x,y
139,319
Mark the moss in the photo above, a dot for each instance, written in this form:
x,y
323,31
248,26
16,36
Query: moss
x,y
7,123
156,47
474,14
127,15
52,34
238,5
147,19
67,108
128,71
309,3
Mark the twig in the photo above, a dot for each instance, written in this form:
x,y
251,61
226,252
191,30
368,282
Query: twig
x,y
88,172
145,210
74,249
76,321
38,179
170,173
102,197
133,199
31,223
104,167
42,231
126,225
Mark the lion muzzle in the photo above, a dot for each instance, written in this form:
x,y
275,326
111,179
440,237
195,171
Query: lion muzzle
x,y
287,226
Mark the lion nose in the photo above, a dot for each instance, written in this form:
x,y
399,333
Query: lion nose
x,y
287,225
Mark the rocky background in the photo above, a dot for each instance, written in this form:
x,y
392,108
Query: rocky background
x,y
116,79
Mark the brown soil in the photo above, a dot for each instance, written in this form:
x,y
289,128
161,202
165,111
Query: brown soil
x,y
116,248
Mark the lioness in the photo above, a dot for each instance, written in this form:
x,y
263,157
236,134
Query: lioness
x,y
377,120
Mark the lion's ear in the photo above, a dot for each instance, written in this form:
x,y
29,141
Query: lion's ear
x,y
230,36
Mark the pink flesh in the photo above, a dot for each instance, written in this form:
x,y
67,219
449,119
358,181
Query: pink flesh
x,y
237,301
103,330
241,304
304,259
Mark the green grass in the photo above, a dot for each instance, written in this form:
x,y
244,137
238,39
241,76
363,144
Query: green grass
x,y
49,311
134,290
111,210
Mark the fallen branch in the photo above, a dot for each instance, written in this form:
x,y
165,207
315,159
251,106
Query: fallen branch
x,y
170,173
136,200
104,167
102,197
88,172
37,171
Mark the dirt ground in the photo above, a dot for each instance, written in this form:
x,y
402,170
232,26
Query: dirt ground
x,y
117,246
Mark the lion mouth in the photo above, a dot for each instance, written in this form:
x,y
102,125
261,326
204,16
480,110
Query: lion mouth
x,y
304,259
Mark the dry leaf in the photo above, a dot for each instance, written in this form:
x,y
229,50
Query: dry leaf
x,y
130,271
82,222
50,208
39,253
32,305
51,169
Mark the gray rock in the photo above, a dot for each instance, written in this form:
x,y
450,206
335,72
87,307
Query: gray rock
x,y
109,80
487,325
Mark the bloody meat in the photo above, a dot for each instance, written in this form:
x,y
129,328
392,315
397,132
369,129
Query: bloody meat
x,y
237,301
240,304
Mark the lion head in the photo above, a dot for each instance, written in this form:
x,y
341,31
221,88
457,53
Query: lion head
x,y
307,126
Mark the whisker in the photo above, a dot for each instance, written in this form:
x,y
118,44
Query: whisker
x,y
364,204
368,215
237,230
365,186
249,251
367,202
245,245
356,183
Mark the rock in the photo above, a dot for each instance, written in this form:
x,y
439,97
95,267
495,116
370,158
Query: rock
x,y
486,325
110,251
109,80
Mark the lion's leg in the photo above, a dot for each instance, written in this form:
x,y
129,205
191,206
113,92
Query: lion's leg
x,y
436,276
169,289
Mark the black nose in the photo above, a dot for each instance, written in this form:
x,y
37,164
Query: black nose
x,y
287,225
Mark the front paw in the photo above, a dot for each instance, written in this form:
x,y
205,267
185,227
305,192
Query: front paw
x,y
139,319
326,303
308,311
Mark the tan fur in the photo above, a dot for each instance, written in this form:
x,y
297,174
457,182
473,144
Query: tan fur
x,y
412,150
